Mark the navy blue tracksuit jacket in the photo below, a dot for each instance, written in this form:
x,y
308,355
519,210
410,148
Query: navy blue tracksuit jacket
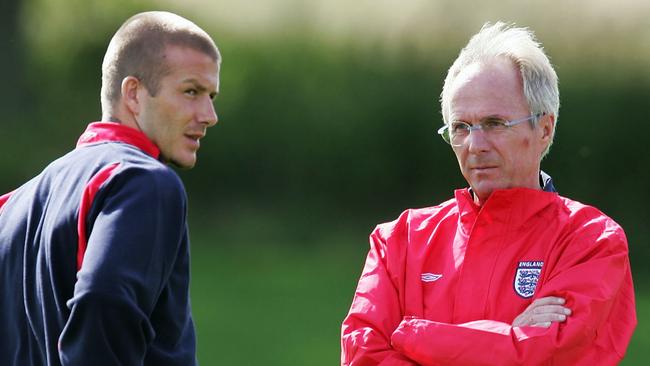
x,y
94,259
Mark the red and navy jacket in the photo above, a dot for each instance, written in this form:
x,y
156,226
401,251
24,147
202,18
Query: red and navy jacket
x,y
94,259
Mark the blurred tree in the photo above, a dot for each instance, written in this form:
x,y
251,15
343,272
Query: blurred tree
x,y
11,63
338,130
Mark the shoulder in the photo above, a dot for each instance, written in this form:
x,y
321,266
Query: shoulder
x,y
417,219
132,164
588,225
153,172
155,180
582,215
143,179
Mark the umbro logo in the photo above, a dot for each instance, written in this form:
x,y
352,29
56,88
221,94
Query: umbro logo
x,y
430,277
89,135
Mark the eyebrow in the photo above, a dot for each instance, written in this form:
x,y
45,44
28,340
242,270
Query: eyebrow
x,y
490,116
494,116
197,84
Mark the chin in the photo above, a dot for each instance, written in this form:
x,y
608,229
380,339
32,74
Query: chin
x,y
183,163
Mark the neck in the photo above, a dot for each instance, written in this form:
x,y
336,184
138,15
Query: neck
x,y
480,201
111,118
127,120
477,200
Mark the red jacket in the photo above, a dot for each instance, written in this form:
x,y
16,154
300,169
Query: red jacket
x,y
442,285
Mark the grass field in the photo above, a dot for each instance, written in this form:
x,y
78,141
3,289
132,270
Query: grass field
x,y
279,304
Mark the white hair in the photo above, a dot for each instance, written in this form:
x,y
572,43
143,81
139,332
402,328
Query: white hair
x,y
521,47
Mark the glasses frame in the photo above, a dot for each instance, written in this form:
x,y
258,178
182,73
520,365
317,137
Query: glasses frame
x,y
445,134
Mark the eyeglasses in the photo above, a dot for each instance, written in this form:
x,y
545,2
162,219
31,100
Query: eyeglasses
x,y
457,132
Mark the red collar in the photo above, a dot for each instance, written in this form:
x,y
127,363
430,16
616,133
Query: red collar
x,y
513,206
97,132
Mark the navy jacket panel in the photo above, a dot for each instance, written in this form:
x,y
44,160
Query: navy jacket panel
x,y
128,303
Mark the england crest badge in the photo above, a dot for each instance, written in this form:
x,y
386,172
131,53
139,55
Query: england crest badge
x,y
526,278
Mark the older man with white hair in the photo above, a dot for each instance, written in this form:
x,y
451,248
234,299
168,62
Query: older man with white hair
x,y
507,272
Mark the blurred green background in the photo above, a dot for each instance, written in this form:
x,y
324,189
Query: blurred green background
x,y
328,112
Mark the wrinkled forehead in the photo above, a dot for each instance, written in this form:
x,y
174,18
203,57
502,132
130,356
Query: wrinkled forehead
x,y
494,72
488,88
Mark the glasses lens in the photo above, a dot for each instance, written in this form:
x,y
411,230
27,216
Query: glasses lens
x,y
493,125
458,132
444,133
457,140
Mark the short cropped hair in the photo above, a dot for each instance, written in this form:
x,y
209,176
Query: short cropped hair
x,y
521,47
138,47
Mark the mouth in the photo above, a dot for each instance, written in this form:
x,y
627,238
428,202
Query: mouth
x,y
481,169
194,139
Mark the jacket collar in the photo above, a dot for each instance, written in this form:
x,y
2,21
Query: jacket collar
x,y
98,132
546,182
513,207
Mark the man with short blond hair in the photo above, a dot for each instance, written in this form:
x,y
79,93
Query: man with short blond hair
x,y
94,251
507,272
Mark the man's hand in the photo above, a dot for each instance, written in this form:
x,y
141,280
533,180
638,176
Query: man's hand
x,y
543,312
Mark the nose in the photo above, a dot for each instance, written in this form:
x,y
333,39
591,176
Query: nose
x,y
477,141
207,114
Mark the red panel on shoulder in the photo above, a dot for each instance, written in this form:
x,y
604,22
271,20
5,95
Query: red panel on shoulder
x,y
4,198
86,202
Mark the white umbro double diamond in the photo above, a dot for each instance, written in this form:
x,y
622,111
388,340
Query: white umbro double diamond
x,y
430,277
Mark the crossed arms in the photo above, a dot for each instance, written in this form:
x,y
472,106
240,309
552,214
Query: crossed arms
x,y
582,314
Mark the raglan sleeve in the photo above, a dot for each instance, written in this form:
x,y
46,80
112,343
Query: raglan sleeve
x,y
592,273
375,313
135,239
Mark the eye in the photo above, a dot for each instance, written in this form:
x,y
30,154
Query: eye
x,y
494,124
459,128
191,92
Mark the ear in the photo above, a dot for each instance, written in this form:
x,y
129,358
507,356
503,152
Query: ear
x,y
547,127
131,94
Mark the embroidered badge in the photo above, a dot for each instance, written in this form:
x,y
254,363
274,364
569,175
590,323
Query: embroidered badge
x,y
430,277
526,278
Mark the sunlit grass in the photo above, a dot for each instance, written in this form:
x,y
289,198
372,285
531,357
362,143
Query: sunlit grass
x,y
260,304
637,353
